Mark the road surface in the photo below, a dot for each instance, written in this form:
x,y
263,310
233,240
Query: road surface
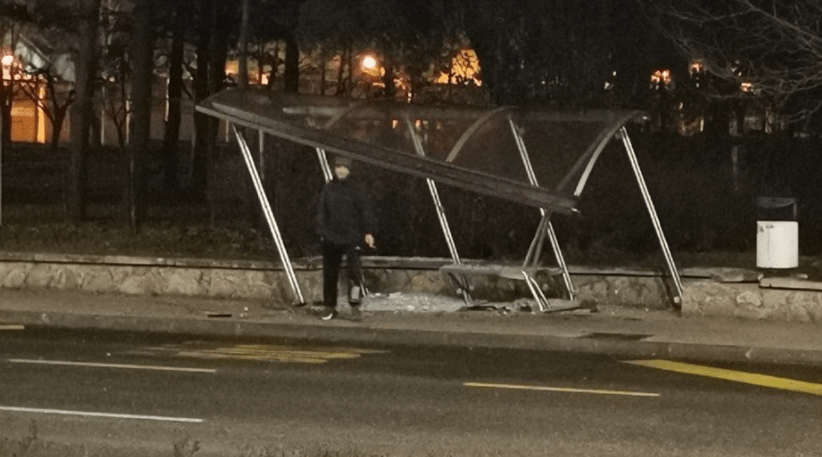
x,y
140,394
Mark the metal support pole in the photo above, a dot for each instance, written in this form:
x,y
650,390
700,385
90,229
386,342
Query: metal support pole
x,y
321,154
261,151
269,216
552,236
432,187
2,141
629,148
324,166
542,302
532,258
435,196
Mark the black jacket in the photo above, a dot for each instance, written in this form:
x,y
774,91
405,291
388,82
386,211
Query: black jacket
x,y
344,214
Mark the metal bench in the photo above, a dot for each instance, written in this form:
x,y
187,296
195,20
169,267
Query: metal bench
x,y
457,273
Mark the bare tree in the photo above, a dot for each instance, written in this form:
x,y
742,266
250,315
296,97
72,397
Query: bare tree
x,y
115,69
773,48
179,27
116,102
242,76
55,105
81,114
142,51
9,37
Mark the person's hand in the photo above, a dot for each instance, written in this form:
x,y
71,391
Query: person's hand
x,y
369,240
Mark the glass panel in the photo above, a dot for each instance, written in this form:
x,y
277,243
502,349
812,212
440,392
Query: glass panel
x,y
559,144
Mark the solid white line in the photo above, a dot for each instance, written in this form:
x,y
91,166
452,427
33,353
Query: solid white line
x,y
107,415
561,389
112,365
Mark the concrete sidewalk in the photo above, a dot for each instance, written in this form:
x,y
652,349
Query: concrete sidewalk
x,y
615,331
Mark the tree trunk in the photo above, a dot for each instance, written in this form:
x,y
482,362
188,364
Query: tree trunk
x,y
57,126
349,77
250,135
142,52
323,67
85,69
219,52
242,70
58,112
341,74
171,136
5,113
388,77
291,76
275,65
8,39
201,121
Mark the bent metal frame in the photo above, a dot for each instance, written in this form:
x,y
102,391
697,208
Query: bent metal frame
x,y
316,121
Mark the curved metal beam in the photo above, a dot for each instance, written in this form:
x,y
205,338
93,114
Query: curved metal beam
x,y
473,129
589,158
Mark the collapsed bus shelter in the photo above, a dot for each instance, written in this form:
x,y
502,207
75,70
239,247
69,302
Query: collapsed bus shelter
x,y
538,158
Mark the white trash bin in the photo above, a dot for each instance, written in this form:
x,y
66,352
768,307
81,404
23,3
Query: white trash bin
x,y
777,244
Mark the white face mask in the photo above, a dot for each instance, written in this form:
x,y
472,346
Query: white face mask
x,y
341,171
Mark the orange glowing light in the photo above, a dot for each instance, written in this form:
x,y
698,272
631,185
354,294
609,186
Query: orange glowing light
x,y
465,68
661,77
369,62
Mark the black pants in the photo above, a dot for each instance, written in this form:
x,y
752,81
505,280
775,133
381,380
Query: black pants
x,y
332,259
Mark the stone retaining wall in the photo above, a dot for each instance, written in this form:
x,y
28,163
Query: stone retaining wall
x,y
706,292
750,301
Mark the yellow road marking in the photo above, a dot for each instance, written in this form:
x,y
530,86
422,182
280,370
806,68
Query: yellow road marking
x,y
561,389
761,380
264,353
11,327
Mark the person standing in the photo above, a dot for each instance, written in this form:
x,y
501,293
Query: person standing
x,y
345,221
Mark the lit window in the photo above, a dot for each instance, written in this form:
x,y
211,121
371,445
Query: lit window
x,y
661,77
465,68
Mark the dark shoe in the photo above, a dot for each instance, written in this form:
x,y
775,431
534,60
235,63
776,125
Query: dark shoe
x,y
356,314
328,314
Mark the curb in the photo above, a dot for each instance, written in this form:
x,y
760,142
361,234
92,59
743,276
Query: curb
x,y
354,334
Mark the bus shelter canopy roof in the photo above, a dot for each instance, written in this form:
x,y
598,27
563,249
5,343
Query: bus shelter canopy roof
x,y
482,150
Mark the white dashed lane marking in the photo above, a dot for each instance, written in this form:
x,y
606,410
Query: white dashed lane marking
x,y
94,414
112,365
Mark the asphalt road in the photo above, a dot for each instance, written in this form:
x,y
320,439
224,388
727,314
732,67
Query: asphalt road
x,y
142,394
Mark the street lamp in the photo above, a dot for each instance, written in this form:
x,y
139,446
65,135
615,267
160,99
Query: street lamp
x,y
369,62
